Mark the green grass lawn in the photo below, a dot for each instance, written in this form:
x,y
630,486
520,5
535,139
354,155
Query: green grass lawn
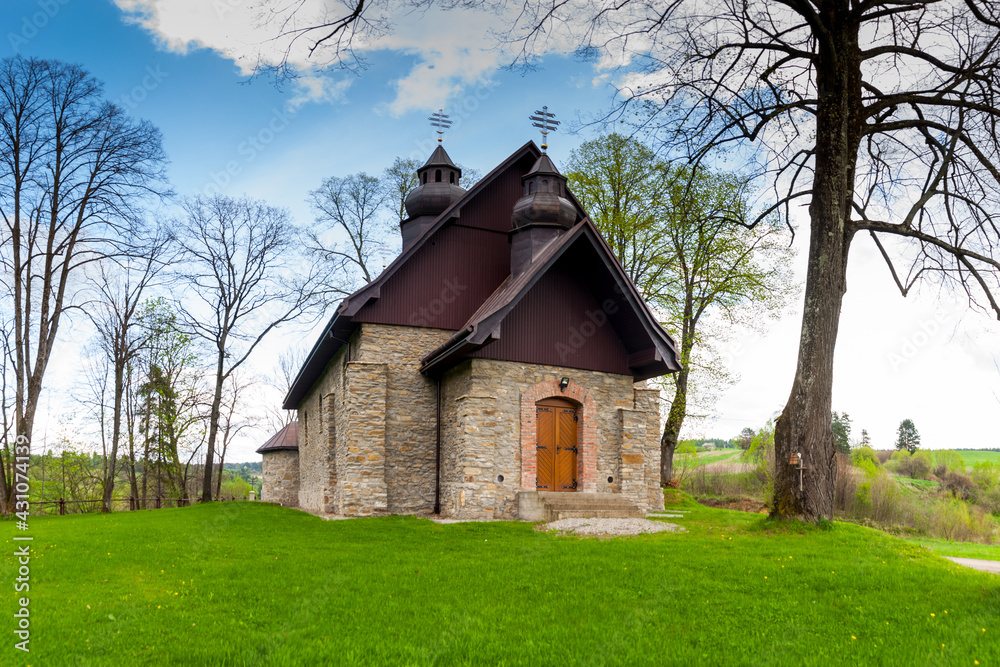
x,y
255,584
957,549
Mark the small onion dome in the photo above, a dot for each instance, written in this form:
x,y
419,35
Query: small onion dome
x,y
544,199
438,187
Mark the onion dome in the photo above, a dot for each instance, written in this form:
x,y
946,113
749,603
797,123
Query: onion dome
x,y
544,200
438,187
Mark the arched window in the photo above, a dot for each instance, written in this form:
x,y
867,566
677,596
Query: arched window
x,y
545,186
451,176
425,177
531,187
437,176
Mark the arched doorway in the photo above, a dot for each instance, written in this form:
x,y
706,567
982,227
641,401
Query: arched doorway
x,y
557,444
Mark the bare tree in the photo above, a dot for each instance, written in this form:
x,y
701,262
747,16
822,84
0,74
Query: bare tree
x,y
399,179
116,315
245,279
353,233
232,419
72,170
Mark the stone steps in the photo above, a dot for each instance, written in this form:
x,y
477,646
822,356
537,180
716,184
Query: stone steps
x,y
549,506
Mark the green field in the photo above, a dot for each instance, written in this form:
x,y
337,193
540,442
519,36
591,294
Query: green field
x,y
255,584
973,456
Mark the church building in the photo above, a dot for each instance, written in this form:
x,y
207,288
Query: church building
x,y
496,369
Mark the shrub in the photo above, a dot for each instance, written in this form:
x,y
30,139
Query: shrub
x,y
952,519
986,474
961,486
915,466
947,460
865,453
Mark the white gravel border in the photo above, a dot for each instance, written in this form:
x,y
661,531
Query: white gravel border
x,y
612,527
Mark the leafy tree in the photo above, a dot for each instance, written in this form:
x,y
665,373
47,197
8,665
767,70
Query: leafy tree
x,y
866,441
746,437
842,432
907,436
674,234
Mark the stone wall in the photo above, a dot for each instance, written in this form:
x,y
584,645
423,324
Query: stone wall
x,y
482,435
410,411
281,477
367,428
318,415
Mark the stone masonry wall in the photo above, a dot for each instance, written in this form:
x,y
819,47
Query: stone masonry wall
x,y
281,478
318,415
410,411
367,429
481,435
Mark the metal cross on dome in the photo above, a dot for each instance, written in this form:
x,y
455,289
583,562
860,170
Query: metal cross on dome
x,y
547,122
440,121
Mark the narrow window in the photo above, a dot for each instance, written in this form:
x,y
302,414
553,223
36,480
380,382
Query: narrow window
x,y
451,175
531,187
425,177
437,176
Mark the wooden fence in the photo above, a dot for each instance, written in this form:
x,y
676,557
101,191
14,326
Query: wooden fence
x,y
133,503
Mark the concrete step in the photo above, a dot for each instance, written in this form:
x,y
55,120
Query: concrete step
x,y
549,506
618,513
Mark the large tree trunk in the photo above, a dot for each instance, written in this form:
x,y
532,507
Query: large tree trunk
x,y
804,424
672,429
116,429
678,408
213,425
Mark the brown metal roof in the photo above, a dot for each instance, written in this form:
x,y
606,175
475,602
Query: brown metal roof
x,y
484,326
341,325
285,439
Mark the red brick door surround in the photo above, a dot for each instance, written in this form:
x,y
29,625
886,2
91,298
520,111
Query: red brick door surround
x,y
587,433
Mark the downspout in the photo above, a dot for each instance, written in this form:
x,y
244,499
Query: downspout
x,y
437,455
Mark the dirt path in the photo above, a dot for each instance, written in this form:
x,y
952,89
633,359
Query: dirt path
x,y
992,566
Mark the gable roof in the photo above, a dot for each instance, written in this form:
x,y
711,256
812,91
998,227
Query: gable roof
x,y
485,324
341,326
285,439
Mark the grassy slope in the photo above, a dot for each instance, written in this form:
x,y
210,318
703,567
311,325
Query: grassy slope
x,y
242,583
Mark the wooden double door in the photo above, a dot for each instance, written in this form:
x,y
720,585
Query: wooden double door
x,y
556,427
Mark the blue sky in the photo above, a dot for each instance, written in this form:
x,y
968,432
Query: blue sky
x,y
178,65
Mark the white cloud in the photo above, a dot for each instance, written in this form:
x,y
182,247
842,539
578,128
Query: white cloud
x,y
453,50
